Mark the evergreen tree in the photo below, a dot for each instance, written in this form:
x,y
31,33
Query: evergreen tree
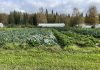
x,y
46,13
34,20
86,19
25,18
52,12
1,18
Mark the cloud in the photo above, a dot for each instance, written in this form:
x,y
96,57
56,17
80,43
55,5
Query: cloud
x,y
62,6
9,6
46,3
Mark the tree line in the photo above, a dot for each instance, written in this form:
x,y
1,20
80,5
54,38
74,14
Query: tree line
x,y
43,16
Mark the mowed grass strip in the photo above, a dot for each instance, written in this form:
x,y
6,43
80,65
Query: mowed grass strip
x,y
42,59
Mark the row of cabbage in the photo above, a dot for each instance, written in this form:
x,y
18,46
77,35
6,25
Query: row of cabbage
x,y
27,36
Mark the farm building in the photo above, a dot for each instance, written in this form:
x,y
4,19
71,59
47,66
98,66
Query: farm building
x,y
51,25
97,26
88,26
84,26
1,25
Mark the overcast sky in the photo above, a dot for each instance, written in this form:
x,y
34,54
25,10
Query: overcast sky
x,y
61,6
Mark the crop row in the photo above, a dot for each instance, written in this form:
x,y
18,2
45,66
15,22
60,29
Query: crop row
x,y
93,32
67,38
24,36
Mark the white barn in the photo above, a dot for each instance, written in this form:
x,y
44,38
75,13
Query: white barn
x,y
1,25
51,25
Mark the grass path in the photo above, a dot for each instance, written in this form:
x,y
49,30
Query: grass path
x,y
48,59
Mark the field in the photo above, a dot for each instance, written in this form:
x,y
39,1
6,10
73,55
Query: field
x,y
49,49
